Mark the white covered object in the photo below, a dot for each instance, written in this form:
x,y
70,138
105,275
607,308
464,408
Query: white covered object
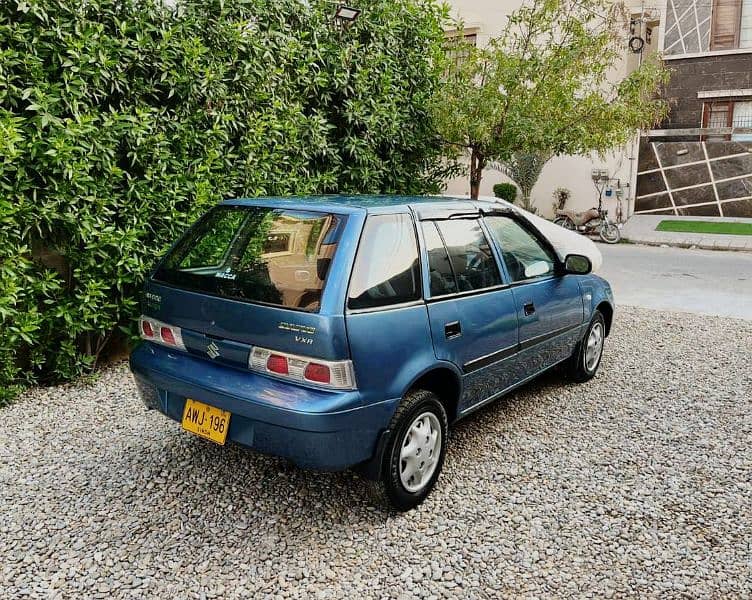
x,y
563,240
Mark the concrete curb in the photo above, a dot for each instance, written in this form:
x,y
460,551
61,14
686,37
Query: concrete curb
x,y
641,229
688,245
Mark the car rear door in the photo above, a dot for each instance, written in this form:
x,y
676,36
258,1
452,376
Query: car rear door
x,y
472,313
548,303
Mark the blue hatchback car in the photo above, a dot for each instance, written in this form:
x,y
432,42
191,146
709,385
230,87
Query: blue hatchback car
x,y
352,331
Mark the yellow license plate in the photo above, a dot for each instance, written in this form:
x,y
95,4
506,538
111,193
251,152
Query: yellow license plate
x,y
207,421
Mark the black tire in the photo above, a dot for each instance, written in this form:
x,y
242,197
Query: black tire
x,y
577,366
610,233
389,489
566,223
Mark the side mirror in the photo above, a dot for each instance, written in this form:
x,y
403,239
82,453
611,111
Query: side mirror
x,y
577,264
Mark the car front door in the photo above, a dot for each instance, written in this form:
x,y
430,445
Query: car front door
x,y
549,303
472,313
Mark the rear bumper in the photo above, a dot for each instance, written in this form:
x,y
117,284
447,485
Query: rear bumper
x,y
313,428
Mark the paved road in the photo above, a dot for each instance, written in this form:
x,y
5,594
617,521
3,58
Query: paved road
x,y
700,281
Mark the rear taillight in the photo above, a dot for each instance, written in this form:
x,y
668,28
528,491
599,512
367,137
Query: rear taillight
x,y
167,336
161,333
318,373
333,374
277,364
147,331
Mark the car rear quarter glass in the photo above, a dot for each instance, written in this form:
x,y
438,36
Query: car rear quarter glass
x,y
257,254
386,270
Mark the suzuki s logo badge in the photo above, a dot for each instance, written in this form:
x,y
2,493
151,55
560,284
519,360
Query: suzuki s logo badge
x,y
212,350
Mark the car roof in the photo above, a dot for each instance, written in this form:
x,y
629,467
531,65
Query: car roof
x,y
368,203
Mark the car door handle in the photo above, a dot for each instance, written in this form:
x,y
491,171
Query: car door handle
x,y
529,309
452,330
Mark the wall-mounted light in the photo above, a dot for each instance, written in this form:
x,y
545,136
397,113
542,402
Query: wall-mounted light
x,y
345,15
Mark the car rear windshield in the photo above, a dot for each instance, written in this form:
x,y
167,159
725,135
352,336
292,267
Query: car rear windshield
x,y
256,254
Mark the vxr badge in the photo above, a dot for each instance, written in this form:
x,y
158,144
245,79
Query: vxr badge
x,y
212,350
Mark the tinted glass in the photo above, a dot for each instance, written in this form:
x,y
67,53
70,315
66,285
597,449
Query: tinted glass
x,y
386,269
470,256
257,254
520,249
439,268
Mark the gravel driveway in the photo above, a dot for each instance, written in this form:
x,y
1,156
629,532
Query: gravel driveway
x,y
636,483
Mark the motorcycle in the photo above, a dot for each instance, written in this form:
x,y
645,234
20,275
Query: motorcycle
x,y
590,221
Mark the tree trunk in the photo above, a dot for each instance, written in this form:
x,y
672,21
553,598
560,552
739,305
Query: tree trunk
x,y
477,163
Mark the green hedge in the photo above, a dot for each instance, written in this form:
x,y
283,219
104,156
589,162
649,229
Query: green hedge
x,y
505,191
122,120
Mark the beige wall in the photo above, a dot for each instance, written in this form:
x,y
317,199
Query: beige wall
x,y
571,172
487,18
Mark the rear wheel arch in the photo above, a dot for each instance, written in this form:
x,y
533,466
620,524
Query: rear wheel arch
x,y
442,380
445,383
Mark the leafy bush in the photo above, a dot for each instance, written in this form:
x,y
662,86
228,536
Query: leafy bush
x,y
505,191
122,120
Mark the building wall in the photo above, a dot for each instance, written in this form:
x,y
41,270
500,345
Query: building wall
x,y
721,72
689,174
687,26
487,18
710,179
571,172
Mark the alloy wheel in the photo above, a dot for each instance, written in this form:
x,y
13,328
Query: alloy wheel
x,y
594,347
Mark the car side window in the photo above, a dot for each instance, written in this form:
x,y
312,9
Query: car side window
x,y
524,255
465,252
387,269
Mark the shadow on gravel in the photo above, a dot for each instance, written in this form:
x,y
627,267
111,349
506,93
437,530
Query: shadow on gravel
x,y
248,486
534,391
199,480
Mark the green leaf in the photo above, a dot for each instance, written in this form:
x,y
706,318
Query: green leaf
x,y
122,123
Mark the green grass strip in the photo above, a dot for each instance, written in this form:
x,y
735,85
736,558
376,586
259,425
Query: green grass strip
x,y
719,227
